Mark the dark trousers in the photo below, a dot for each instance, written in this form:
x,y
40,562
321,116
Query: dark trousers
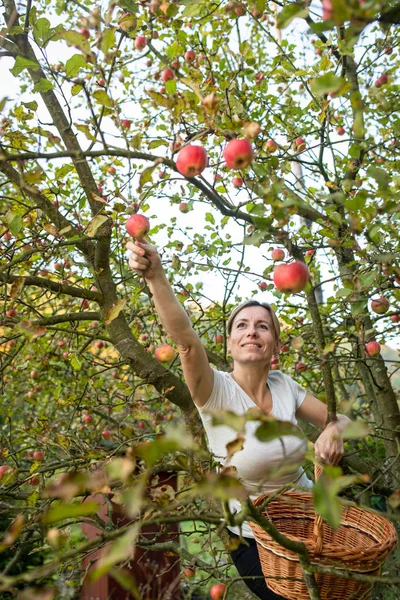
x,y
247,562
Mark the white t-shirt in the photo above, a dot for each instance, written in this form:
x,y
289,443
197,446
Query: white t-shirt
x,y
262,467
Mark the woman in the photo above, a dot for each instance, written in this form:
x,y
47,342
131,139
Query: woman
x,y
253,338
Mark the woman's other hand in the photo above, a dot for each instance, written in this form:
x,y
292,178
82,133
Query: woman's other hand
x,y
329,447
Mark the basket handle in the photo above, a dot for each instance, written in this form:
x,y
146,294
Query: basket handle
x,y
318,532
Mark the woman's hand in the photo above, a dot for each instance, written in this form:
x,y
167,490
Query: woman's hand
x,y
144,259
329,447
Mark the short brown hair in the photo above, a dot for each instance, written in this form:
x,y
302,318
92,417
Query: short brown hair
x,y
268,307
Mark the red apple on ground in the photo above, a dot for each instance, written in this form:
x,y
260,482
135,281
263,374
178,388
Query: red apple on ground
x,y
277,254
190,56
217,591
140,42
219,338
164,353
192,160
300,145
291,278
372,348
380,305
237,182
38,455
106,433
263,285
137,226
167,74
271,146
238,153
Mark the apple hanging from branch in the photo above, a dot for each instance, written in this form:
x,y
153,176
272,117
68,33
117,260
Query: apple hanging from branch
x,y
291,278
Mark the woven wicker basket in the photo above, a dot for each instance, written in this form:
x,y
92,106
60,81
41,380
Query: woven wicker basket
x,y
360,545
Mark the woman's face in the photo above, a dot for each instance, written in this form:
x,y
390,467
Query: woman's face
x,y
252,338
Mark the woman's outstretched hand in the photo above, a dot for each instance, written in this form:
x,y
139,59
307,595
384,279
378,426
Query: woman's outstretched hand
x,y
144,259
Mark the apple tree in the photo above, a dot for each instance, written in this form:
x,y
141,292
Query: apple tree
x,y
239,130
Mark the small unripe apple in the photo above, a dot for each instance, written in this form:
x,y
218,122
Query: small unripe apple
x,y
271,146
137,226
140,42
219,338
106,433
167,74
301,367
88,419
126,123
278,254
300,145
372,348
263,285
291,278
237,182
217,591
85,32
238,153
190,56
127,22
184,207
191,160
380,305
33,374
38,455
164,353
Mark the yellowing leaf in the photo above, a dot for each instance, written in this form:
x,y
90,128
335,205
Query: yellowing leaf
x,y
114,310
59,512
95,224
235,446
16,287
30,330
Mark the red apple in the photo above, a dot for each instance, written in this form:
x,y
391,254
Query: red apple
x,y
277,254
38,455
191,161
291,278
340,131
101,82
189,573
100,344
111,170
301,367
3,470
238,153
58,266
85,32
190,56
184,207
88,419
380,305
219,338
271,146
140,42
237,182
372,348
327,10
217,591
167,74
11,313
175,64
395,318
33,374
284,348
300,145
263,285
275,366
106,433
164,353
137,226
61,343
381,80
126,123
310,252
34,481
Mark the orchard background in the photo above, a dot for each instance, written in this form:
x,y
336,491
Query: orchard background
x,y
91,126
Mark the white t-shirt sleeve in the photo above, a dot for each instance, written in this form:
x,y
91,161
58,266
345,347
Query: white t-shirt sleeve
x,y
219,395
299,393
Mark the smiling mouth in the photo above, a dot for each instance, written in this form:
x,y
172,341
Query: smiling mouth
x,y
251,346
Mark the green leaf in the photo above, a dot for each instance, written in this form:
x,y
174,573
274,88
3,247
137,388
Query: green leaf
x,y
24,63
107,40
356,429
31,105
146,176
14,222
76,363
43,86
170,86
95,224
290,12
176,438
192,10
381,177
326,501
272,429
103,98
42,32
74,64
59,512
327,83
119,550
126,580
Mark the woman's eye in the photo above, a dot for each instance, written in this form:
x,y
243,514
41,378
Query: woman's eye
x,y
240,324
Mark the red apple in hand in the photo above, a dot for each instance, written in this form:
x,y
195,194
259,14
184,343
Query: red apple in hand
x,y
238,154
291,278
164,353
191,161
277,254
380,305
137,226
217,591
372,348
